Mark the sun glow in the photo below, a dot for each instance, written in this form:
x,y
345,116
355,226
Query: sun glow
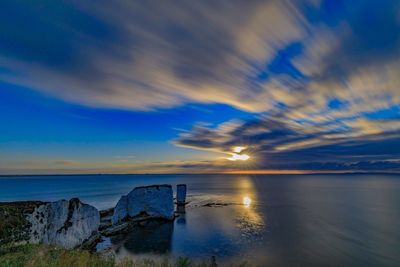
x,y
236,154
236,157
238,149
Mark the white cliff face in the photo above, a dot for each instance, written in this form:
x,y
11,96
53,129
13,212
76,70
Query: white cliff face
x,y
64,223
155,201
120,210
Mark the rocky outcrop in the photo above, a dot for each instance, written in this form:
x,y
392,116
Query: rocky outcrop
x,y
120,210
64,223
155,201
181,194
105,218
72,223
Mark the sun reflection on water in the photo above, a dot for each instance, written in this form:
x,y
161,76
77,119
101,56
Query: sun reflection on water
x,y
246,201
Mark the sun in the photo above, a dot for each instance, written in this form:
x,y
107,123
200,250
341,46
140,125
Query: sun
x,y
236,154
236,157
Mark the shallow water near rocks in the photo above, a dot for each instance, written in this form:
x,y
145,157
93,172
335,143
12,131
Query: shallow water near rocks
x,y
266,220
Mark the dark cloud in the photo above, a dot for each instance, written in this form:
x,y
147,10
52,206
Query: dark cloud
x,y
370,36
52,34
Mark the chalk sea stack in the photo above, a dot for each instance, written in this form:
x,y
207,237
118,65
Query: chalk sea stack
x,y
181,194
154,201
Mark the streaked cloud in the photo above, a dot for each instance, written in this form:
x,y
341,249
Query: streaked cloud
x,y
314,73
279,143
151,55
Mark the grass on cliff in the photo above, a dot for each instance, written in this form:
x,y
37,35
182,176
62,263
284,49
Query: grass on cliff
x,y
48,256
13,221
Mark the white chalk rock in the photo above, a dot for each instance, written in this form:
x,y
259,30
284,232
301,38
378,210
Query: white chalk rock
x,y
63,223
120,210
155,201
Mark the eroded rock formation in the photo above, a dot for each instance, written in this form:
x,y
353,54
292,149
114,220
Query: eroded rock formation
x,y
155,201
63,223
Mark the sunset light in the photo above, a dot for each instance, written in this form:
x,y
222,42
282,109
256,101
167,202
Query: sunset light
x,y
246,201
239,149
218,133
236,157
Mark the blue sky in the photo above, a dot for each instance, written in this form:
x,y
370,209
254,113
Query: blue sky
x,y
137,87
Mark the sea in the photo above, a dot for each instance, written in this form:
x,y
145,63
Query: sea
x,y
261,220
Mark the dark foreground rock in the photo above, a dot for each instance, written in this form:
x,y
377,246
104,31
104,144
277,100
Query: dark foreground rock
x,y
64,223
105,218
128,225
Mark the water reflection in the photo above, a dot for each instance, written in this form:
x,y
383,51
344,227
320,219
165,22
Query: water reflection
x,y
292,220
282,221
246,201
181,209
181,219
152,237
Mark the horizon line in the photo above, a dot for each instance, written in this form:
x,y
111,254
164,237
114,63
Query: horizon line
x,y
254,172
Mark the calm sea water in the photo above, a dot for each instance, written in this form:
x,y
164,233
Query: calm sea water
x,y
267,220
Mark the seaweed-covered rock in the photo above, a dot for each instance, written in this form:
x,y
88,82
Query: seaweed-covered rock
x,y
155,201
105,218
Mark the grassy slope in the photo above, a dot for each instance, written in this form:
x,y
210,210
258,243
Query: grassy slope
x,y
48,256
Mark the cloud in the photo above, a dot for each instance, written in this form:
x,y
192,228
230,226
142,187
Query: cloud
x,y
288,61
150,55
43,167
279,143
144,55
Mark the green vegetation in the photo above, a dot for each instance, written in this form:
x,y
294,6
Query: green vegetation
x,y
46,256
13,223
50,256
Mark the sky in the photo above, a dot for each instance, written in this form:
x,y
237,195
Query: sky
x,y
199,86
